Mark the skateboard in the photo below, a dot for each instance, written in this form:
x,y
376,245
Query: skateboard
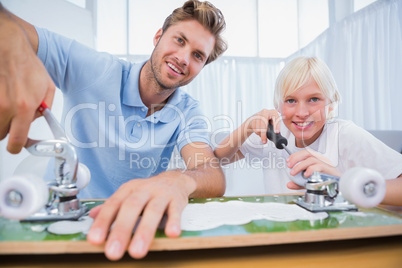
x,y
24,229
19,237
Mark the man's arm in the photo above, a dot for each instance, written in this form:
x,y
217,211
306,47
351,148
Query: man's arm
x,y
20,26
204,169
24,81
167,193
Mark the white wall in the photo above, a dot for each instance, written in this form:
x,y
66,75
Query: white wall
x,y
61,17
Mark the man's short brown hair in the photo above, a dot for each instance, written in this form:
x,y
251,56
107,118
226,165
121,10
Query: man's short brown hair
x,y
208,16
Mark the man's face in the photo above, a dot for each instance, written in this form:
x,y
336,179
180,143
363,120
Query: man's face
x,y
180,53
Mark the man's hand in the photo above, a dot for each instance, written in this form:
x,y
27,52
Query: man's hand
x,y
166,193
24,81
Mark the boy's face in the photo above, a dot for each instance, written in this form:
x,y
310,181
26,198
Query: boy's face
x,y
180,53
304,113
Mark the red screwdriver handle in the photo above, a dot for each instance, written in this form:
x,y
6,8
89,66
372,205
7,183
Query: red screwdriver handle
x,y
42,107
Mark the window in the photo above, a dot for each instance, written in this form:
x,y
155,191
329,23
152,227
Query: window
x,y
112,26
359,4
145,19
278,33
255,28
241,26
80,3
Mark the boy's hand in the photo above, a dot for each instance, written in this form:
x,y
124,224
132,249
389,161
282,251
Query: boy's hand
x,y
293,186
310,161
258,123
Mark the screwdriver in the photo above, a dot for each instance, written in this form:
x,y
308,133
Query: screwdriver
x,y
279,141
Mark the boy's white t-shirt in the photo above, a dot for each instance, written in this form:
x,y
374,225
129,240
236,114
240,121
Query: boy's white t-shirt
x,y
342,142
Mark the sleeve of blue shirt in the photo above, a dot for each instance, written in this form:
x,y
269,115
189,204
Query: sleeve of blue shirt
x,y
71,65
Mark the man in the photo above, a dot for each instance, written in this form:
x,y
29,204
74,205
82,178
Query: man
x,y
124,119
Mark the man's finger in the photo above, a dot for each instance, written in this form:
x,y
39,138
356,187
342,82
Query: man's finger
x,y
104,219
4,127
93,213
123,226
173,224
19,129
146,229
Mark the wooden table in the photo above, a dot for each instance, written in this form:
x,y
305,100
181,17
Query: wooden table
x,y
385,252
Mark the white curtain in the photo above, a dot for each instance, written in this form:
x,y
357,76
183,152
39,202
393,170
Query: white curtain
x,y
364,52
232,89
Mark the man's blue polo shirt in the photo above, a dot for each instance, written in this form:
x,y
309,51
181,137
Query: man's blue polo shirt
x,y
105,118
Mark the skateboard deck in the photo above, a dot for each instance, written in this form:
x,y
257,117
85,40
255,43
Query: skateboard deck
x,y
32,238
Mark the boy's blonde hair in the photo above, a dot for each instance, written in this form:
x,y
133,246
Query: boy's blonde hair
x,y
297,72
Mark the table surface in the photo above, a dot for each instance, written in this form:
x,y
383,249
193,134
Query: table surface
x,y
373,252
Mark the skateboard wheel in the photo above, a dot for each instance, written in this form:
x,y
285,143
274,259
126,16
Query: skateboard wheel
x,y
362,186
299,178
22,195
83,176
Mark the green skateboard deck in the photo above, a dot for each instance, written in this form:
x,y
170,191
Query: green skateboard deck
x,y
32,238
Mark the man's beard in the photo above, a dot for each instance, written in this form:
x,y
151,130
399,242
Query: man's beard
x,y
157,75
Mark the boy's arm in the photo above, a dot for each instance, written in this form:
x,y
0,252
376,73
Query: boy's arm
x,y
393,194
24,81
228,150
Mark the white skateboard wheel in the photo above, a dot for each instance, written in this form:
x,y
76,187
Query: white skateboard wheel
x,y
362,186
22,195
299,179
83,176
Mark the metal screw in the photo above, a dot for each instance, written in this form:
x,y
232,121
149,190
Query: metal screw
x,y
316,177
14,198
58,148
370,189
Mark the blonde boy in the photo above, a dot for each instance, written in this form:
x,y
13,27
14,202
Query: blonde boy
x,y
306,97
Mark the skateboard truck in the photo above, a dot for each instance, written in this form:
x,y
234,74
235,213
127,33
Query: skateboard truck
x,y
22,196
357,186
322,194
